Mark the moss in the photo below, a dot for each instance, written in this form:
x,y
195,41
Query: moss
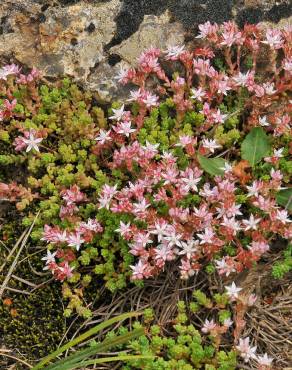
x,y
33,324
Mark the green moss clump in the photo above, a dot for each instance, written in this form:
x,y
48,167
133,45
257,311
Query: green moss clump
x,y
33,324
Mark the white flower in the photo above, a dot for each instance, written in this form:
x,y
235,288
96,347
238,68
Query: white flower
x,y
173,239
263,121
138,270
269,88
3,74
265,360
150,100
219,117
160,229
251,224
232,291
207,237
173,52
282,216
188,248
140,207
104,202
75,240
208,326
231,223
198,94
227,167
135,95
103,136
223,267
124,228
118,113
190,182
278,153
242,78
274,38
123,73
246,351
151,147
231,212
254,189
49,258
228,322
142,239
287,64
32,142
210,144
185,140
125,129
207,29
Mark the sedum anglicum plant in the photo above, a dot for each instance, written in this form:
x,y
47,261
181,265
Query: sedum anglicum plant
x,y
193,171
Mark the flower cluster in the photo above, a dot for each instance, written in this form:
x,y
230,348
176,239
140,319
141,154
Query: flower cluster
x,y
81,232
163,226
246,351
216,222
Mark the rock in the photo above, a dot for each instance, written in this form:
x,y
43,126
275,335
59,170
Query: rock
x,y
153,31
88,39
102,81
64,40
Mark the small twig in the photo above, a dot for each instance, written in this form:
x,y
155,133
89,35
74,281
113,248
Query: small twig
x,y
17,290
42,284
24,281
32,254
5,246
17,359
37,272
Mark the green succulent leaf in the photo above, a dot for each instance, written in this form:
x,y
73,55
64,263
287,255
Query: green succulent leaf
x,y
214,166
255,146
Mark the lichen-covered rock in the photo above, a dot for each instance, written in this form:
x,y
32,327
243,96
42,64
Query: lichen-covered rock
x,y
153,31
64,40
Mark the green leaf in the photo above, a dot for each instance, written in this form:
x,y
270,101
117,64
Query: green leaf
x,y
214,166
111,359
84,336
255,146
77,359
284,198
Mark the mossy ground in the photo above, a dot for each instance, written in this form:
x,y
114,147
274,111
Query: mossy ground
x,y
32,321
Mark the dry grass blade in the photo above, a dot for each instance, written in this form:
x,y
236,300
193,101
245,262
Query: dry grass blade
x,y
6,353
13,265
12,250
17,290
29,283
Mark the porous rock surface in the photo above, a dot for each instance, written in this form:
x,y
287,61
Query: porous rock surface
x,y
88,39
